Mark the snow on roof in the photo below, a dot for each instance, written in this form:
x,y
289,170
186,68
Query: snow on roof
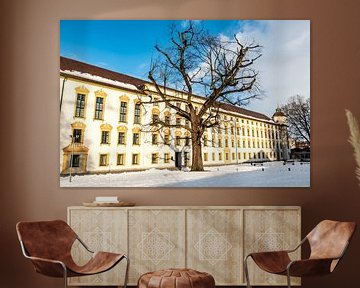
x,y
90,72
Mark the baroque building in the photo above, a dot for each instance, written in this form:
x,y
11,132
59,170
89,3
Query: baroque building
x,y
104,127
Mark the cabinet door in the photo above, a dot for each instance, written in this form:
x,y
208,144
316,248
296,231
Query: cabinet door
x,y
156,240
101,230
214,244
271,230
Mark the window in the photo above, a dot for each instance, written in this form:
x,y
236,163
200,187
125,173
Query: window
x,y
238,131
123,111
137,114
213,156
232,143
220,143
154,158
238,143
77,136
167,139
178,121
206,157
233,156
120,159
155,118
135,159
167,120
220,156
154,139
136,138
75,161
226,142
121,139
99,108
177,141
232,130
226,156
239,155
80,105
105,137
166,157
103,160
187,123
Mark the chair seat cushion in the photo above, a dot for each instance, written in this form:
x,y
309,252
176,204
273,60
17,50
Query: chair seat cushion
x,y
99,262
176,278
272,262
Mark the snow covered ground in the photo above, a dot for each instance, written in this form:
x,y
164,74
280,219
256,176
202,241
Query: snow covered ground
x,y
275,174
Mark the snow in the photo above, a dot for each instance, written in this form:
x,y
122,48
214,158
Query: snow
x,y
100,79
275,174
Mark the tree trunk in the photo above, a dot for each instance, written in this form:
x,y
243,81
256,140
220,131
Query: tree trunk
x,y
197,162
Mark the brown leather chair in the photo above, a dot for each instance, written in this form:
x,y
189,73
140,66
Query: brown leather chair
x,y
328,242
48,245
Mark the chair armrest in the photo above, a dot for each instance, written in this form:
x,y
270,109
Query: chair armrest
x,y
49,267
309,267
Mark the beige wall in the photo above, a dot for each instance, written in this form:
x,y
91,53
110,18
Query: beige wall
x,y
30,135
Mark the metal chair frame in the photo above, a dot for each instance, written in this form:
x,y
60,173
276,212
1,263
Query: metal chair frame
x,y
26,255
288,276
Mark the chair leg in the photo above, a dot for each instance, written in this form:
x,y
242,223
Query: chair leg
x,y
288,278
246,270
65,276
126,271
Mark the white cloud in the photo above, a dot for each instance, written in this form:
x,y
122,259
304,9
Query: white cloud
x,y
284,68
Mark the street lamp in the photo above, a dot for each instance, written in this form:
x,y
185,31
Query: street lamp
x,y
72,154
236,142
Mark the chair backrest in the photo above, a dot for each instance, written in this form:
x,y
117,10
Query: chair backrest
x,y
329,239
46,239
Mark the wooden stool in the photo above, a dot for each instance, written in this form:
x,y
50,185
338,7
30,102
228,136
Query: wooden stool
x,y
176,278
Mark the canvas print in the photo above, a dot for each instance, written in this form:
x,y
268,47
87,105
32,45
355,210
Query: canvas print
x,y
184,103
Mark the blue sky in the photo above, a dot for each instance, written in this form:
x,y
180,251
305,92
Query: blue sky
x,y
126,46
123,45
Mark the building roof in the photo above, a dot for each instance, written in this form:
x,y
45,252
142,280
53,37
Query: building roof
x,y
67,64
279,113
74,65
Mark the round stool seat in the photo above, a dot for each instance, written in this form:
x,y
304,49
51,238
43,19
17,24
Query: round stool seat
x,y
176,278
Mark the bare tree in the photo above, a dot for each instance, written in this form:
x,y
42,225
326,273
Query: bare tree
x,y
297,111
197,63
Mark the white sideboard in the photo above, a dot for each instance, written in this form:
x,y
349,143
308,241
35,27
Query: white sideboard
x,y
212,239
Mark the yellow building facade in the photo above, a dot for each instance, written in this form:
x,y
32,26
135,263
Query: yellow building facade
x,y
105,127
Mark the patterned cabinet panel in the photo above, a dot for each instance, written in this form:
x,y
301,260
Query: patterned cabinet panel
x,y
269,230
214,244
156,240
101,230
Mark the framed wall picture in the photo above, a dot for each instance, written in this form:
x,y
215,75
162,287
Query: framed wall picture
x,y
184,103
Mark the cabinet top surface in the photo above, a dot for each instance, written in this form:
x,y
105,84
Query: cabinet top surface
x,y
192,207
